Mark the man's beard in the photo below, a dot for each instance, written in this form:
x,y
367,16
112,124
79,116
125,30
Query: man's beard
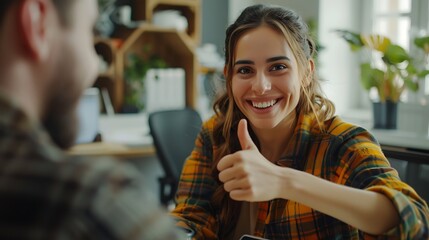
x,y
61,119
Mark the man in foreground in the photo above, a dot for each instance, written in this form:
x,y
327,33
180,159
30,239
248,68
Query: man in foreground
x,y
47,60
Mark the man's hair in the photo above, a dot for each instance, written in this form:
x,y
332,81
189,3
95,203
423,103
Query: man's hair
x,y
4,4
63,7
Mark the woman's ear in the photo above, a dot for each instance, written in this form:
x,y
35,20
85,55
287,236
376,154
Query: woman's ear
x,y
309,73
311,65
33,25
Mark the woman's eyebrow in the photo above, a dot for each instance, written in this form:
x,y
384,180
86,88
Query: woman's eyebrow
x,y
243,62
273,59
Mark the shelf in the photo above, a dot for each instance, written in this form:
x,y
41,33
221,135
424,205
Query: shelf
x,y
190,9
174,47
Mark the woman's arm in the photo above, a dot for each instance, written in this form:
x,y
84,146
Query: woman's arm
x,y
369,196
368,211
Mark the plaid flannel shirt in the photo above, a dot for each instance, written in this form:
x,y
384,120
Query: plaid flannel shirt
x,y
45,194
346,154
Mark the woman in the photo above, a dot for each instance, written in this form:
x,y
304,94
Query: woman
x,y
276,163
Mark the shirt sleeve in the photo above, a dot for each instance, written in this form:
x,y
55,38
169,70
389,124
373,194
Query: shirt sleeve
x,y
365,167
196,186
120,207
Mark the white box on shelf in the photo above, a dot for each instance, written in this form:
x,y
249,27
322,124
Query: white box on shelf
x,y
165,89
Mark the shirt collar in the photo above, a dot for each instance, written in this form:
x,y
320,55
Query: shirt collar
x,y
306,125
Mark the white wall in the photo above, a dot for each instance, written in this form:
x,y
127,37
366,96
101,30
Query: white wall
x,y
214,22
308,9
338,65
234,9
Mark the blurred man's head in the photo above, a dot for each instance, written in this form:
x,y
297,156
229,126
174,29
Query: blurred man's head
x,y
48,59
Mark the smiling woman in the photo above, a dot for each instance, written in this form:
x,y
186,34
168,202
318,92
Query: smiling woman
x,y
275,162
266,85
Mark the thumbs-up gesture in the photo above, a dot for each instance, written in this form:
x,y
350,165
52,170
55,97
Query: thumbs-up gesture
x,y
246,174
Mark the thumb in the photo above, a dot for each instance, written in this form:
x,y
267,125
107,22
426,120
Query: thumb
x,y
244,136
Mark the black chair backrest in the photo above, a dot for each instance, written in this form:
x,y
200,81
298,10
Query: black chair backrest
x,y
174,133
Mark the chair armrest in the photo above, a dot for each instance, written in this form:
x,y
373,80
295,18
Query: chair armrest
x,y
167,195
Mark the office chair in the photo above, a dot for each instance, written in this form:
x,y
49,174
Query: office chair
x,y
174,133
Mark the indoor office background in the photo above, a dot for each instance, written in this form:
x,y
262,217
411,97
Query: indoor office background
x,y
401,20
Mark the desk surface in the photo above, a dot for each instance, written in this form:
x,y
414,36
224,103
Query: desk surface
x,y
123,136
112,149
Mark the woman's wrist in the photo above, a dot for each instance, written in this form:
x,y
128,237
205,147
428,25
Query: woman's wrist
x,y
289,183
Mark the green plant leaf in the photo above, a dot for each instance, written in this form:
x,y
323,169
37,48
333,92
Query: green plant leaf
x,y
156,62
423,43
400,70
370,77
411,69
135,71
395,54
413,86
353,39
422,74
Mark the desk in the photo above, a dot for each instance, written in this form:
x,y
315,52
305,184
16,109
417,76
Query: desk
x,y
112,149
123,136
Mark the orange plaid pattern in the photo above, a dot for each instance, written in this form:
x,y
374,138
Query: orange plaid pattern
x,y
345,154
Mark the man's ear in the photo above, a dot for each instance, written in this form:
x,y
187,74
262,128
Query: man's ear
x,y
32,23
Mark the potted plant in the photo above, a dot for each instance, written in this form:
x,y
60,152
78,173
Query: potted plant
x,y
135,71
390,69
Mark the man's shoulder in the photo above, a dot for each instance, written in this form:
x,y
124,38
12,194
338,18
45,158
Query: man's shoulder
x,y
82,195
90,171
72,175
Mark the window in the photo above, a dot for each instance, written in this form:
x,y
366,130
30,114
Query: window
x,y
401,21
392,18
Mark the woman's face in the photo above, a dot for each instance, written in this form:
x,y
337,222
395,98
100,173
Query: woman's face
x,y
265,79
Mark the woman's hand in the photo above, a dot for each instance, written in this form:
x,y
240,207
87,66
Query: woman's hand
x,y
246,174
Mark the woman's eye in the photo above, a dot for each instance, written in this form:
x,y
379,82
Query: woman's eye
x,y
278,67
244,70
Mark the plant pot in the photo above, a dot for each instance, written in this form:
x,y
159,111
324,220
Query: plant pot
x,y
385,115
391,115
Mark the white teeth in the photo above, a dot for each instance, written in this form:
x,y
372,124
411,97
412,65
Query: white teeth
x,y
264,104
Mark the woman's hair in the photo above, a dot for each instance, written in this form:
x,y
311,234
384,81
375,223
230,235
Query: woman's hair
x,y
311,101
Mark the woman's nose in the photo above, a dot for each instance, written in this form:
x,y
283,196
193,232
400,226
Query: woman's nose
x,y
261,84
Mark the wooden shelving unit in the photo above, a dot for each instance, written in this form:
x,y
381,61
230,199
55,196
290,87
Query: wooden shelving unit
x,y
191,9
175,47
